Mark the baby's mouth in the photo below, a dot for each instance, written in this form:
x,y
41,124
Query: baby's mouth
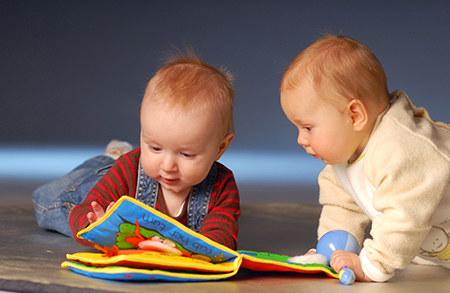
x,y
314,155
169,180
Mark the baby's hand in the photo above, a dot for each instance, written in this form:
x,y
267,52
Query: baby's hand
x,y
97,212
158,244
341,259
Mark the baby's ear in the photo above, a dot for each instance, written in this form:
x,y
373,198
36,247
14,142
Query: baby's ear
x,y
358,113
225,144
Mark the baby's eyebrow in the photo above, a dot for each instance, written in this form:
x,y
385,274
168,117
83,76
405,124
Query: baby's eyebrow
x,y
299,121
148,139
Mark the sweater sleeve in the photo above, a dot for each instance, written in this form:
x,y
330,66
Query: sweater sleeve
x,y
339,210
410,180
118,181
220,224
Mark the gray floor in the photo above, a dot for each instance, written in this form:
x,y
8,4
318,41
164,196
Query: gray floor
x,y
30,258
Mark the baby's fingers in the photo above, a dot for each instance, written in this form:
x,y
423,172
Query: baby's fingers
x,y
340,259
110,206
97,209
92,218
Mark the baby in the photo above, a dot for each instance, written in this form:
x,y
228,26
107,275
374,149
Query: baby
x,y
186,126
387,162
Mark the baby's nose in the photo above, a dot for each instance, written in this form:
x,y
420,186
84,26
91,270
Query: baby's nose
x,y
302,141
169,163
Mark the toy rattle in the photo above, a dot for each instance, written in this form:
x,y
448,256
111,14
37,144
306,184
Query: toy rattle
x,y
339,240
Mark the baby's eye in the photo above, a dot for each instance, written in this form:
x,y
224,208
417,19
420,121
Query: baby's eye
x,y
188,155
155,148
307,128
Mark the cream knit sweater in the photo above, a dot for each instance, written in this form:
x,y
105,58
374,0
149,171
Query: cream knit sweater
x,y
400,184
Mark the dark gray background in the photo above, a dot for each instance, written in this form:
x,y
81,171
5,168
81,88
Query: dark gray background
x,y
73,72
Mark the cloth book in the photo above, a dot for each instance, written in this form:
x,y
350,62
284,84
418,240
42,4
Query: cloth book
x,y
198,258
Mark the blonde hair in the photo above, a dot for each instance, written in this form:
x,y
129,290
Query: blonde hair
x,y
340,69
186,82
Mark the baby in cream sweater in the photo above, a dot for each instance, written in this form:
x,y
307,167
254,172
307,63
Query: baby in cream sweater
x,y
387,162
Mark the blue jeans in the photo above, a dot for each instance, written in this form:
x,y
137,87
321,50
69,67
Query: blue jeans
x,y
54,201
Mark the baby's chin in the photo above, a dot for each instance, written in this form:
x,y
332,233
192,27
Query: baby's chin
x,y
334,162
329,162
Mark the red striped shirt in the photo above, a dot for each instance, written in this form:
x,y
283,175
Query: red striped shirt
x,y
220,224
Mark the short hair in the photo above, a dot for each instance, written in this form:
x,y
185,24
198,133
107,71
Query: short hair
x,y
186,82
340,68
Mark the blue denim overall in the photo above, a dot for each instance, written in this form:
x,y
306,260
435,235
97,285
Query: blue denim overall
x,y
54,201
198,200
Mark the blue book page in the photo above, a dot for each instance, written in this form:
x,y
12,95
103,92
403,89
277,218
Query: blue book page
x,y
129,221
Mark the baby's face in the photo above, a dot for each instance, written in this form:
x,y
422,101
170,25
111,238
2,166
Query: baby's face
x,y
178,148
323,131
